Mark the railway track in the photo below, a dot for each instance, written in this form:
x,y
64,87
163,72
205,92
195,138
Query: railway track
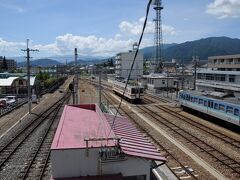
x,y
32,164
230,165
172,160
206,129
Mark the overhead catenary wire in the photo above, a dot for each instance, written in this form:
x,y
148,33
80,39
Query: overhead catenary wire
x,y
135,55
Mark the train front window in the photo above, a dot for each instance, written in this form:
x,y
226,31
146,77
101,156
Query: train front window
x,y
133,91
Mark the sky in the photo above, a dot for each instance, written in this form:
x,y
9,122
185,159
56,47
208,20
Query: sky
x,y
106,27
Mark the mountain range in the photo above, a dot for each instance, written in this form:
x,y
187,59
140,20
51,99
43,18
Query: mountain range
x,y
45,62
202,48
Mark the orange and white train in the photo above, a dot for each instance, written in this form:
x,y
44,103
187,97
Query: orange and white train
x,y
133,93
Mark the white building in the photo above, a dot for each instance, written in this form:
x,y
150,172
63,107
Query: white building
x,y
220,81
224,63
123,62
155,82
222,75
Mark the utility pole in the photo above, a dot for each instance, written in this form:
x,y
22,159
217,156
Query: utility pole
x,y
100,88
167,82
28,76
76,77
195,58
182,75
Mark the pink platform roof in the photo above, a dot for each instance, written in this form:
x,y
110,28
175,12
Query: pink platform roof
x,y
87,121
79,122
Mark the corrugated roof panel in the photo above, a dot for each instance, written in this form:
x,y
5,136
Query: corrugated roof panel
x,y
133,142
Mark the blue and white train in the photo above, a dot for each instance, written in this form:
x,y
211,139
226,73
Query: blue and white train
x,y
226,111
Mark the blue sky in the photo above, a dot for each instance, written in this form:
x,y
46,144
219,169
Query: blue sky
x,y
105,27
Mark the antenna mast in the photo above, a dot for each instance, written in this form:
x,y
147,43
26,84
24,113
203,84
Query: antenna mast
x,y
158,36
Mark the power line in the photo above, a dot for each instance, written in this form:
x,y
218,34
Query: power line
x,y
135,55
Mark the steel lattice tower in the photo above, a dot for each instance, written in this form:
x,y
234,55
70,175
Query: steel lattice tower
x,y
158,36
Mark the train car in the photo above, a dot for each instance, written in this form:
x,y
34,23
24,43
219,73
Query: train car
x,y
134,93
218,108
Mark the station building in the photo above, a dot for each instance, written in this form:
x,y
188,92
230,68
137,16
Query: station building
x,y
222,75
90,144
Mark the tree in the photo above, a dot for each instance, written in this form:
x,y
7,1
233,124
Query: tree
x,y
4,67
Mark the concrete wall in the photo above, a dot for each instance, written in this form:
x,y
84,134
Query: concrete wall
x,y
131,167
75,163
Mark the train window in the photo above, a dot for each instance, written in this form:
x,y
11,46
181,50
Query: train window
x,y
210,104
236,112
200,101
141,90
195,99
183,96
216,106
229,109
205,103
192,99
221,107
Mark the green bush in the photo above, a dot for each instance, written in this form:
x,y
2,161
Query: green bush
x,y
49,82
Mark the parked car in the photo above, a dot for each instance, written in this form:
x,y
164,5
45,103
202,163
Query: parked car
x,y
10,100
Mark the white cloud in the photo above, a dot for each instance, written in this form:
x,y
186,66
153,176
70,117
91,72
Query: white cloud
x,y
224,8
88,45
91,45
135,28
65,44
7,47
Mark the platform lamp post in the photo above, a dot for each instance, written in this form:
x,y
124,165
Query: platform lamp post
x,y
28,76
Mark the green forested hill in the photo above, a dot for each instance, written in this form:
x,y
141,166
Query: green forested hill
x,y
202,48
